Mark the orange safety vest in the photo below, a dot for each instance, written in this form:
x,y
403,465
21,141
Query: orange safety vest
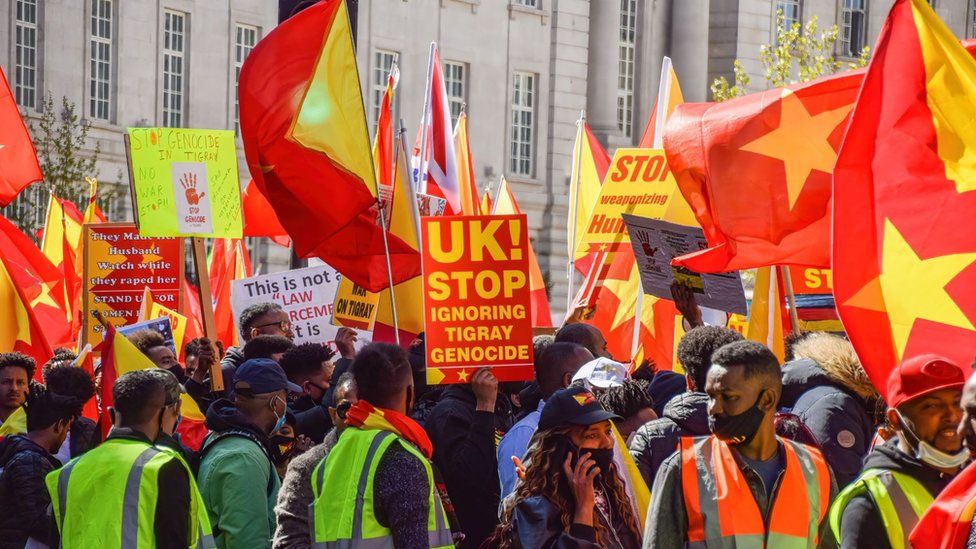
x,y
722,511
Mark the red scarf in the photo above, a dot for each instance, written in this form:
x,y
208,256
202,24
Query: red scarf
x,y
366,416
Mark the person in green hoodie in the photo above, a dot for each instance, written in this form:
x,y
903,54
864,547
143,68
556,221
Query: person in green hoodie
x,y
237,475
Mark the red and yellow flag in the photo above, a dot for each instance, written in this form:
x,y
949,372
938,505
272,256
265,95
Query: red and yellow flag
x,y
93,214
590,165
466,182
229,261
766,316
541,316
669,95
152,309
18,159
307,145
904,247
383,140
260,218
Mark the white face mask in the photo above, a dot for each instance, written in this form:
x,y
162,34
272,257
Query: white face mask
x,y
931,455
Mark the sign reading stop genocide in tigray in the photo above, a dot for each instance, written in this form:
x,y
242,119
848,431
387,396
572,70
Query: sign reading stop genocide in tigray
x,y
476,297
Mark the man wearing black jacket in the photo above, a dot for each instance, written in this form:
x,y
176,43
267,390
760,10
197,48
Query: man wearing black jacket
x,y
464,428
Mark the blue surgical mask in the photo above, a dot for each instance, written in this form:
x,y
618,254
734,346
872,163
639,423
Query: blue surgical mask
x,y
281,419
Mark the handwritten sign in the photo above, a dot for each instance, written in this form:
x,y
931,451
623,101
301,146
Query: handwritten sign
x,y
306,295
355,307
118,265
476,297
184,182
639,183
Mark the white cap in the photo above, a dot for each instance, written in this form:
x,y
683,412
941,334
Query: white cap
x,y
602,373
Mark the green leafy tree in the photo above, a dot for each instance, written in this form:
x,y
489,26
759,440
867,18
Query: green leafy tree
x,y
799,53
60,137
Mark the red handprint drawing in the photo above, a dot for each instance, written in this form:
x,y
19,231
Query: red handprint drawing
x,y
645,243
189,182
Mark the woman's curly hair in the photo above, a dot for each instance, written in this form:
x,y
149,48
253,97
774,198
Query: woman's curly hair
x,y
544,477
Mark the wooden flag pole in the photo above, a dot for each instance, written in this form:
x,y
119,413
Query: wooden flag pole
x,y
206,307
790,299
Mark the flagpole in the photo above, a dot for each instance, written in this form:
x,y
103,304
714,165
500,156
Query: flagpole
x,y
389,268
663,98
574,210
791,299
638,311
421,183
401,133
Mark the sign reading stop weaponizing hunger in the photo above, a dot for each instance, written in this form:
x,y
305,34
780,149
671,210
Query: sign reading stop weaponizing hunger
x,y
184,182
476,297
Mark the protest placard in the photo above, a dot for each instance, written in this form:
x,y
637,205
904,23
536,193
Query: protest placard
x,y
640,183
476,297
306,295
657,242
184,182
118,265
161,325
811,280
355,307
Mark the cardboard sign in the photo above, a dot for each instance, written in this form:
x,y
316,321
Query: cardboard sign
x,y
476,297
184,182
355,307
118,265
811,280
161,325
639,183
430,205
305,294
656,243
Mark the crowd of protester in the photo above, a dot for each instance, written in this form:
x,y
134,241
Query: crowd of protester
x,y
310,447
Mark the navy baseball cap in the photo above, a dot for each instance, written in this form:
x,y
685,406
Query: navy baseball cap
x,y
261,376
574,406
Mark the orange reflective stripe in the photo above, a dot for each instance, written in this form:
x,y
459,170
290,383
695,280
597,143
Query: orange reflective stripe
x,y
823,476
738,513
791,514
689,489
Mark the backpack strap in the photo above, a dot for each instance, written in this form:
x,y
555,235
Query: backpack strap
x,y
239,433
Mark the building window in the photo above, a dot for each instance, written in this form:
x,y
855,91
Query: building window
x,y
625,66
245,38
100,60
523,123
971,30
174,68
526,3
853,27
382,64
454,74
790,10
25,68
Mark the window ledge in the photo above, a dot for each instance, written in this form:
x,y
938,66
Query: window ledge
x,y
542,14
523,179
100,124
474,4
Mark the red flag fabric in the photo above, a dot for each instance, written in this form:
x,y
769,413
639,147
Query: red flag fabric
x,y
260,218
947,522
107,380
439,158
299,85
192,311
18,159
904,247
229,261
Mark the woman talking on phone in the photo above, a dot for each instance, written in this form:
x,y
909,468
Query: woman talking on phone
x,y
571,495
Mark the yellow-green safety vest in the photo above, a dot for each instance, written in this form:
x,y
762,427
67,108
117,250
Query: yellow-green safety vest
x,y
342,512
900,499
107,497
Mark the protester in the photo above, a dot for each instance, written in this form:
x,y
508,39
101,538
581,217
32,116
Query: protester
x,y
126,481
291,511
237,474
345,342
631,402
168,437
255,320
687,414
152,344
16,371
743,470
24,462
554,368
826,388
464,427
64,378
602,373
191,353
383,455
310,367
923,396
267,346
572,495
585,335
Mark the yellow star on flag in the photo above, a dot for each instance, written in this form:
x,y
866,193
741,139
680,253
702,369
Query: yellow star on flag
x,y
463,376
626,292
800,141
910,288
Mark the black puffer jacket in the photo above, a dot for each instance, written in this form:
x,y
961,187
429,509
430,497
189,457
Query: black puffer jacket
x,y
23,494
686,415
84,436
837,417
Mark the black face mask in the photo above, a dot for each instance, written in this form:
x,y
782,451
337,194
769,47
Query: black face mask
x,y
740,428
602,457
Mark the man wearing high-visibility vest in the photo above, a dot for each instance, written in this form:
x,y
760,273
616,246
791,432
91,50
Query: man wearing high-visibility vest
x,y
901,477
743,486
128,493
376,487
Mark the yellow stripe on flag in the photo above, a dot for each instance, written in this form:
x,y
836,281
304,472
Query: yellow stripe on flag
x,y
640,495
331,118
127,358
584,189
15,424
766,314
466,181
